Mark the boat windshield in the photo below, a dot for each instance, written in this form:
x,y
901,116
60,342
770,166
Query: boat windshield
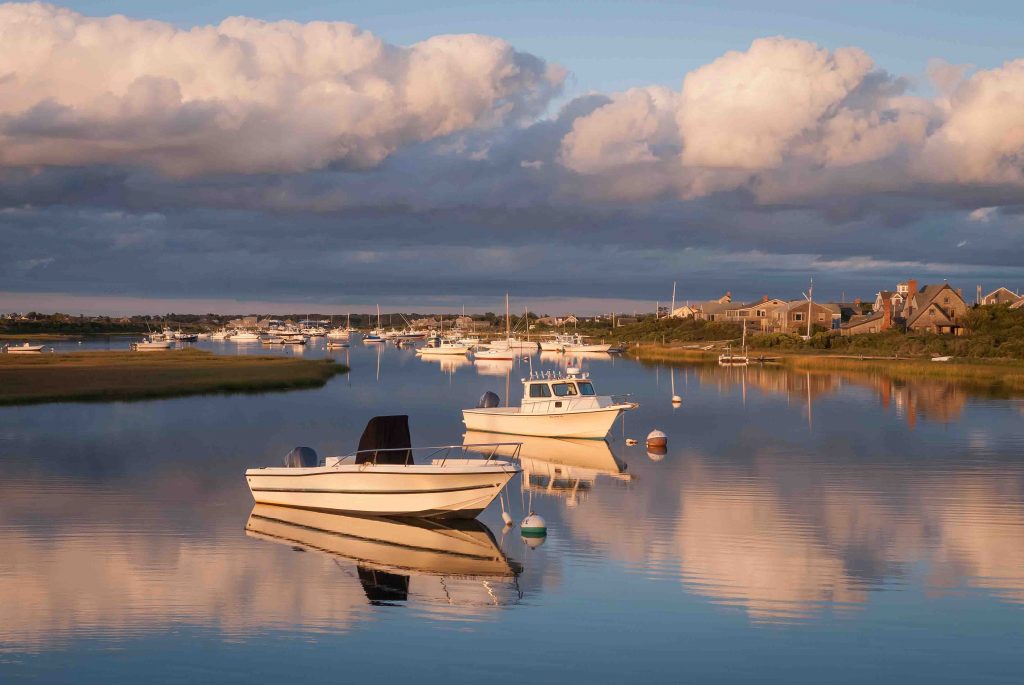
x,y
564,389
586,388
539,390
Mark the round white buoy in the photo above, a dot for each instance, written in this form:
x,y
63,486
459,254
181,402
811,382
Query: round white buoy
x,y
657,439
506,518
676,399
630,441
533,526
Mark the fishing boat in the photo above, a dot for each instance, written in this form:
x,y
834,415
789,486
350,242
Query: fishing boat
x,y
24,348
553,405
244,336
272,339
443,347
220,335
182,336
385,476
149,345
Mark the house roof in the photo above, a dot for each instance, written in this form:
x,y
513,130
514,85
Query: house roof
x,y
923,298
1001,289
861,319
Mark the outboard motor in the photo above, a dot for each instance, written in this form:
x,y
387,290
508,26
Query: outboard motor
x,y
302,457
488,400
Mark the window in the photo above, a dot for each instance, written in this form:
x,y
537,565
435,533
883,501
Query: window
x,y
587,388
798,316
564,389
539,390
945,300
760,312
821,317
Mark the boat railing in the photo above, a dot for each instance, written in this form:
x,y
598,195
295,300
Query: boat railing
x,y
623,399
428,455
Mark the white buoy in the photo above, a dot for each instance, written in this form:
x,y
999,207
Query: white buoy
x,y
656,438
533,526
506,518
676,399
534,542
630,441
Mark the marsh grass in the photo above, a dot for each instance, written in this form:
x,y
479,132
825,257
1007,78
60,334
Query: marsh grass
x,y
106,376
997,376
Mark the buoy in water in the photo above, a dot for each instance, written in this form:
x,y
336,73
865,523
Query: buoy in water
x,y
506,518
630,441
657,439
533,526
676,399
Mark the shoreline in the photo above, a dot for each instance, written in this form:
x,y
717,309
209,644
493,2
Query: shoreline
x,y
997,375
128,376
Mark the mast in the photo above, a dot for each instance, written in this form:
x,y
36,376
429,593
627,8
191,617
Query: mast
x,y
672,311
508,322
810,305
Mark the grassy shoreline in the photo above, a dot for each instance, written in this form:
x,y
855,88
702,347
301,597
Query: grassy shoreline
x,y
996,375
115,376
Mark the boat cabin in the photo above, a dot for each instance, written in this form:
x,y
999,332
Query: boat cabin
x,y
554,390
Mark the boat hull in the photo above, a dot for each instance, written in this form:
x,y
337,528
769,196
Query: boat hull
x,y
382,490
590,423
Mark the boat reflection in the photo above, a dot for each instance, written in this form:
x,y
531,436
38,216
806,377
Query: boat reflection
x,y
558,466
448,363
494,367
456,563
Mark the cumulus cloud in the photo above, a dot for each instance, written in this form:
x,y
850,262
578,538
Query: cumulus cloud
x,y
787,119
246,95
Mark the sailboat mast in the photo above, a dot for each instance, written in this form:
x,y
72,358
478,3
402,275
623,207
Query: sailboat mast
x,y
508,321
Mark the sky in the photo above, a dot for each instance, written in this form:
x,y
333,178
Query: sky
x,y
582,156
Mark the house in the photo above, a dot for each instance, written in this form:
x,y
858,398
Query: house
x,y
763,312
895,297
823,315
933,309
1001,296
880,319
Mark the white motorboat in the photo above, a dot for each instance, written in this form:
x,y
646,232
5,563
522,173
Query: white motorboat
x,y
272,339
244,336
294,339
445,347
553,405
575,343
220,335
24,348
337,334
557,343
149,345
385,477
332,344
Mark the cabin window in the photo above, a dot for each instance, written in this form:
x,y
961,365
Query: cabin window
x,y
540,390
564,389
586,388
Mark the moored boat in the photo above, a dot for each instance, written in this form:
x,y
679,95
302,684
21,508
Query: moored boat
x,y
383,478
24,348
149,345
553,405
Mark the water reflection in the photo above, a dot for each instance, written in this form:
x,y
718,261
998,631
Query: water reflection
x,y
564,467
458,564
836,503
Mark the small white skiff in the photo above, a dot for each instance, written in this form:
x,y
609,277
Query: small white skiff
x,y
381,480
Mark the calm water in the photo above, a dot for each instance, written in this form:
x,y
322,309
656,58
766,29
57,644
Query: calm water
x,y
800,529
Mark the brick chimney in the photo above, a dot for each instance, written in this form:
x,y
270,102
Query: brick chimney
x,y
886,312
911,287
764,298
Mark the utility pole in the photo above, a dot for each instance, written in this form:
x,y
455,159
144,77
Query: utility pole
x,y
672,311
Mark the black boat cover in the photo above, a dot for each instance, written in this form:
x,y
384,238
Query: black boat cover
x,y
385,433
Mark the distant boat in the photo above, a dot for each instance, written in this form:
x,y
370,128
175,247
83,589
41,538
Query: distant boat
x,y
294,339
244,336
382,478
150,345
575,343
24,348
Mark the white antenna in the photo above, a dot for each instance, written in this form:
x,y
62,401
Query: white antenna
x,y
672,311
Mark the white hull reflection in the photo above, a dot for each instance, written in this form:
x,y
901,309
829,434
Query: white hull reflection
x,y
557,466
